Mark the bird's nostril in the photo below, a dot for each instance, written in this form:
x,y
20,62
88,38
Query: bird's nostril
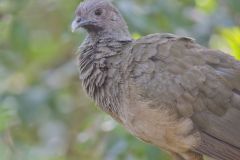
x,y
79,20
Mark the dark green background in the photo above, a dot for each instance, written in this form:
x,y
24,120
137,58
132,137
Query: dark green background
x,y
44,114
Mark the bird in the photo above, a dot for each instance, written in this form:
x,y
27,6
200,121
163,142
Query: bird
x,y
165,89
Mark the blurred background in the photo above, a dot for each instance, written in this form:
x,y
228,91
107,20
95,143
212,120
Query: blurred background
x,y
44,114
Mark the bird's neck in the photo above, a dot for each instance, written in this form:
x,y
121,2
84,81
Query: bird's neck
x,y
114,33
100,72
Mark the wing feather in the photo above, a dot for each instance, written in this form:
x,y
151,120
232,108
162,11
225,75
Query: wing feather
x,y
169,67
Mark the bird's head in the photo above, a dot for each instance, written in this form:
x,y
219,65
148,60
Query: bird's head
x,y
100,18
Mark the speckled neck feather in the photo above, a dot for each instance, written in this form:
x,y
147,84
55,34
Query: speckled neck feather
x,y
99,63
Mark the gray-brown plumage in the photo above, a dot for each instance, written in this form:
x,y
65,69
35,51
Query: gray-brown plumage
x,y
165,89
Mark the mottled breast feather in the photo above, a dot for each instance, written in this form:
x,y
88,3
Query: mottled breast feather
x,y
100,72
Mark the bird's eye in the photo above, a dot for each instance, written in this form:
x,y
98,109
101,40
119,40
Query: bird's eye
x,y
98,12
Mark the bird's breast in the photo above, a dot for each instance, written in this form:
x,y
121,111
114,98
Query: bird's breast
x,y
159,126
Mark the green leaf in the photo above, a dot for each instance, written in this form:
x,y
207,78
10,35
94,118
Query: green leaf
x,y
19,36
5,118
206,5
232,36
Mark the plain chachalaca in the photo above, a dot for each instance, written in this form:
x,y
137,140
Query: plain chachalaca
x,y
165,89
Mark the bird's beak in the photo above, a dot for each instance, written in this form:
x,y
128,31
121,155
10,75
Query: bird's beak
x,y
80,22
74,25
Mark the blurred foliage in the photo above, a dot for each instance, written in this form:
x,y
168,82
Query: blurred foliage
x,y
44,114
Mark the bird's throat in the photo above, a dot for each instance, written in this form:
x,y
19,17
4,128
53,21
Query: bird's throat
x,y
115,34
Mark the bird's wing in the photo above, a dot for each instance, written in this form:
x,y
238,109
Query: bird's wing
x,y
202,84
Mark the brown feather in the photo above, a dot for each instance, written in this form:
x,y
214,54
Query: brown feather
x,y
218,149
165,89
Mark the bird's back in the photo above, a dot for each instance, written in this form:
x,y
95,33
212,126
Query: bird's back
x,y
203,85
